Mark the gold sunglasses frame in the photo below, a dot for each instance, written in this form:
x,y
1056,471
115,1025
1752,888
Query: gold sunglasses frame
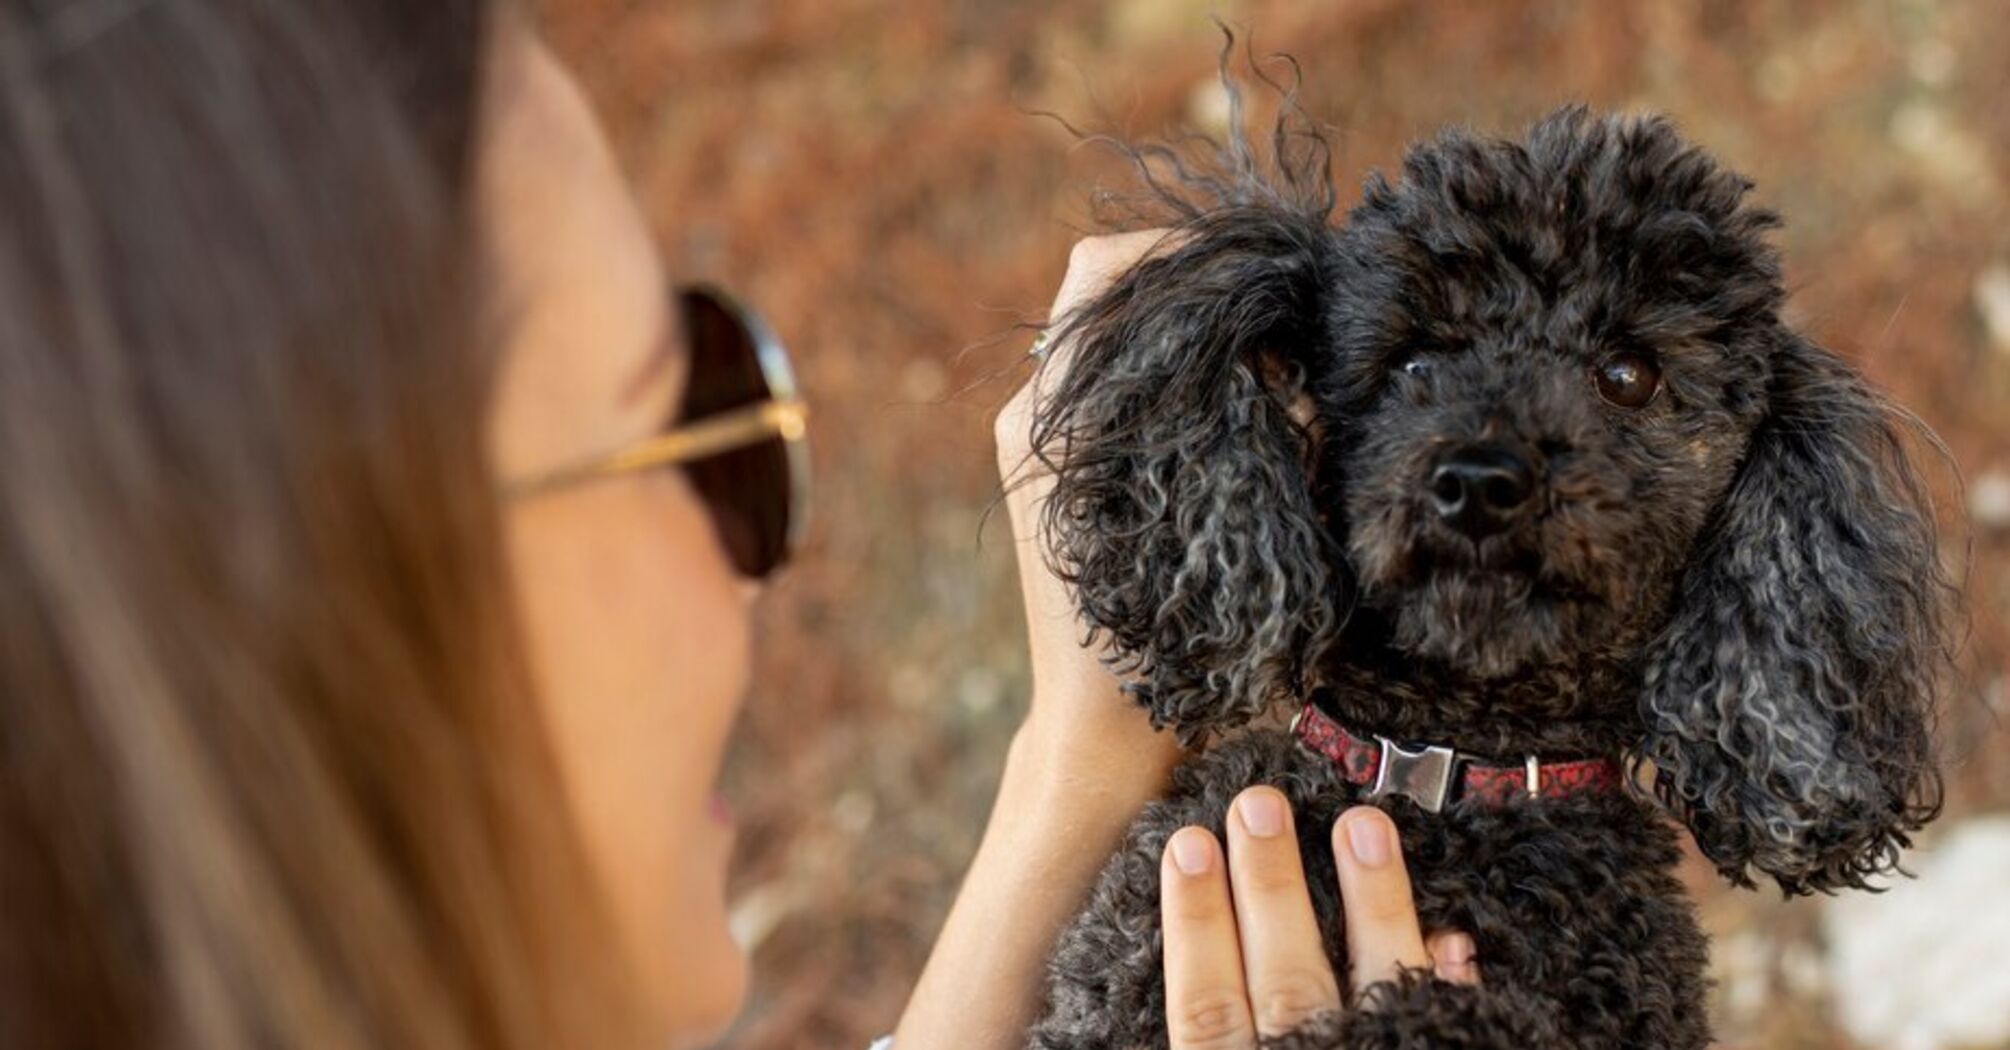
x,y
783,415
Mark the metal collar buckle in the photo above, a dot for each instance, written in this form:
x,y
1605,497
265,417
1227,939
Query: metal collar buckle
x,y
1424,776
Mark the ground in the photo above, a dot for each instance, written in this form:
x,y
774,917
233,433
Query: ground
x,y
878,177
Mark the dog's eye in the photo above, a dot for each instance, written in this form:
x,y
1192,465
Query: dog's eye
x,y
1418,367
1628,379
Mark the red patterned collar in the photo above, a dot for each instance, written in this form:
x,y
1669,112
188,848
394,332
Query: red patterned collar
x,y
1434,776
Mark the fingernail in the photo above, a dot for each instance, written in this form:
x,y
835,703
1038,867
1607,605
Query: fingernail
x,y
1262,812
1192,851
1369,836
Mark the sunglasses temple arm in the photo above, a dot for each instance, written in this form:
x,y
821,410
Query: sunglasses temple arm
x,y
787,419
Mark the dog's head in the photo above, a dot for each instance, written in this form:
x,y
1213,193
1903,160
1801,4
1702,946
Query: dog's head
x,y
1548,360
1530,407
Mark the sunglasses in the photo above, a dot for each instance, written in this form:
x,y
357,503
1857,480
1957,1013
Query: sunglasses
x,y
740,435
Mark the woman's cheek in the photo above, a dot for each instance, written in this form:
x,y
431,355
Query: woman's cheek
x,y
698,654
640,635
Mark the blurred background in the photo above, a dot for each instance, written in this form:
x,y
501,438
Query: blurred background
x,y
875,176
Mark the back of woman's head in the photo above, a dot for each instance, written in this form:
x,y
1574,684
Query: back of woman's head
x,y
267,776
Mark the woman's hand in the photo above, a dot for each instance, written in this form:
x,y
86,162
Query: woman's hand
x,y
1083,764
1079,720
1243,957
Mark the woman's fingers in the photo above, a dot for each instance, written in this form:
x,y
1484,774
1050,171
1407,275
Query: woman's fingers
x,y
1207,1002
1283,958
1453,956
1243,953
1383,935
1093,265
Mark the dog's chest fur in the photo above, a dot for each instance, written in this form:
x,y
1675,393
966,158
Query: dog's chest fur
x,y
1569,900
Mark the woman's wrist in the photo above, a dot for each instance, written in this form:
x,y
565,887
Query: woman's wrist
x,y
1065,801
1107,773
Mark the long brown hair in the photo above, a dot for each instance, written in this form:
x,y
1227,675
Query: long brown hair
x,y
269,775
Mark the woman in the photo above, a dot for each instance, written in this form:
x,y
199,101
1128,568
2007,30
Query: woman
x,y
377,544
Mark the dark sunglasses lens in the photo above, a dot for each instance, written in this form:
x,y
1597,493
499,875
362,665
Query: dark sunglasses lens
x,y
748,490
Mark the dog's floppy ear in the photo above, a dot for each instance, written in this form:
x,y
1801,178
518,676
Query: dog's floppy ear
x,y
1789,704
1181,512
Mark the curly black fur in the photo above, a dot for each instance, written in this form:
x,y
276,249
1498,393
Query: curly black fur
x,y
1185,519
1420,1011
1737,583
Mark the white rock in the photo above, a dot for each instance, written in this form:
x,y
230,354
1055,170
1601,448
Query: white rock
x,y
853,811
1989,500
1921,967
755,913
1945,151
1208,106
1992,301
1932,62
1742,966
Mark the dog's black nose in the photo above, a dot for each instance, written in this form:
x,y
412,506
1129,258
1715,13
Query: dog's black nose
x,y
1480,489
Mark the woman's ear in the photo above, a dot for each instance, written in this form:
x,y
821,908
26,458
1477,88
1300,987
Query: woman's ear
x,y
1789,704
1181,512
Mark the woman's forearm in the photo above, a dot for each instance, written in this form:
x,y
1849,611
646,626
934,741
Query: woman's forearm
x,y
1049,835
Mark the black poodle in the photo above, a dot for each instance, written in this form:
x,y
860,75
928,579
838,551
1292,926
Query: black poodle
x,y
1518,488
